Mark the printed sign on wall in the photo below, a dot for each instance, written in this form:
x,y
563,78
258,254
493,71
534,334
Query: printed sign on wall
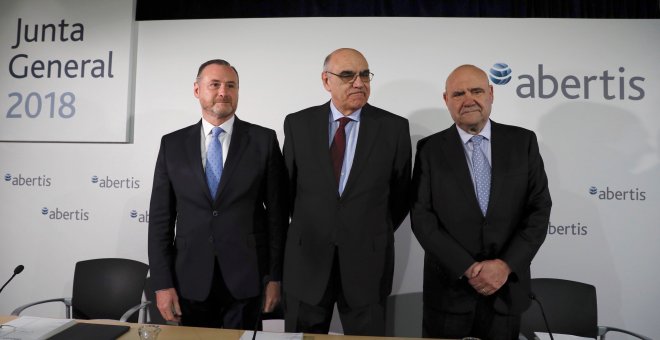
x,y
66,78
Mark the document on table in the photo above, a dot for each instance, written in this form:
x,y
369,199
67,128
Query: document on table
x,y
247,335
33,328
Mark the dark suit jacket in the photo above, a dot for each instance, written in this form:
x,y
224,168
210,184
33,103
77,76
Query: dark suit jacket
x,y
361,223
243,228
449,225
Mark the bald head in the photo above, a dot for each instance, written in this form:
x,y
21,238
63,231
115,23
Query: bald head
x,y
342,53
467,69
469,98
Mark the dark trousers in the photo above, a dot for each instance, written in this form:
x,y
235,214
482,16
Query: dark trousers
x,y
306,318
220,309
483,323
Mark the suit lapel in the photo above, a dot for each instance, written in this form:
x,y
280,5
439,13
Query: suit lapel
x,y
239,140
369,127
499,157
455,153
193,145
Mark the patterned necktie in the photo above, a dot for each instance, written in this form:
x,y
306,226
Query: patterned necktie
x,y
214,161
481,170
338,147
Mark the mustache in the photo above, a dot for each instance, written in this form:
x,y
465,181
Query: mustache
x,y
222,100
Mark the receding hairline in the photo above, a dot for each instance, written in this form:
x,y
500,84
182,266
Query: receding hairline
x,y
327,60
220,62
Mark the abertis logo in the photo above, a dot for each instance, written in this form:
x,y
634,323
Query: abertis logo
x,y
546,83
142,217
66,215
610,194
107,182
500,73
21,180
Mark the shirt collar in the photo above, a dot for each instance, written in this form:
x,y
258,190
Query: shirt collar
x,y
465,137
227,126
336,114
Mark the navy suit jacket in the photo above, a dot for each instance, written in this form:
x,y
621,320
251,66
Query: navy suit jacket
x,y
244,228
360,224
449,225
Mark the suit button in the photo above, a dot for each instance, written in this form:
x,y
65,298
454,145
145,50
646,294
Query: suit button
x,y
211,239
215,213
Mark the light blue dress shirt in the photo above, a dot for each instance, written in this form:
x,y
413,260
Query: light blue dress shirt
x,y
352,130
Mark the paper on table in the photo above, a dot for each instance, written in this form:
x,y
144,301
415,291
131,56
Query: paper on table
x,y
247,335
34,328
558,336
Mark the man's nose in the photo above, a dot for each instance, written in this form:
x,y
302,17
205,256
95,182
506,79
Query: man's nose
x,y
358,82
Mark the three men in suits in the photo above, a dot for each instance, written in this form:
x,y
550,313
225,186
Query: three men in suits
x,y
218,213
349,171
480,210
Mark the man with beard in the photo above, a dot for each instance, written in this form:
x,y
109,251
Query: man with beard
x,y
480,210
218,212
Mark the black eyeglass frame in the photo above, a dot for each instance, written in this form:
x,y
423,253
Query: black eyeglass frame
x,y
350,77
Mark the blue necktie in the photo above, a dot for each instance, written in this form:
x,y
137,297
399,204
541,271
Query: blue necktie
x,y
214,161
481,170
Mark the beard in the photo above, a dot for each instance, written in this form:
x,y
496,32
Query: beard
x,y
222,111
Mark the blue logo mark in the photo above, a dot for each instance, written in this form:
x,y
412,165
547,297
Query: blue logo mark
x,y
7,177
95,179
44,211
134,213
500,73
593,190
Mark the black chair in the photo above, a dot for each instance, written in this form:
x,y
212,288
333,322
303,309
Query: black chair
x,y
570,307
103,289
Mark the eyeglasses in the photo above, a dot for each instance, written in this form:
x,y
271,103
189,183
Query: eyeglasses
x,y
350,77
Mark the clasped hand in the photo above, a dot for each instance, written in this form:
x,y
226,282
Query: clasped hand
x,y
487,277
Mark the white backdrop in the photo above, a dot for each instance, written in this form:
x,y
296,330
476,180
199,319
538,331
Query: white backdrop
x,y
593,147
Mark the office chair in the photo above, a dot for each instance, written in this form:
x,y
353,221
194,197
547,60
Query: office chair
x,y
570,307
102,289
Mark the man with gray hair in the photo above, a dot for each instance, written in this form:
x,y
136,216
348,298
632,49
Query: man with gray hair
x,y
349,171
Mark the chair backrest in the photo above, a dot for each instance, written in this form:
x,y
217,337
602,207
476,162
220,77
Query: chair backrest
x,y
570,308
107,288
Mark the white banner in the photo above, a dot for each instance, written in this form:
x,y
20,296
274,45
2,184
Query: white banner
x,y
588,88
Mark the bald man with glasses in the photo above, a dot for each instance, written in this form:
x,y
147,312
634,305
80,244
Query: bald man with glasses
x,y
349,167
